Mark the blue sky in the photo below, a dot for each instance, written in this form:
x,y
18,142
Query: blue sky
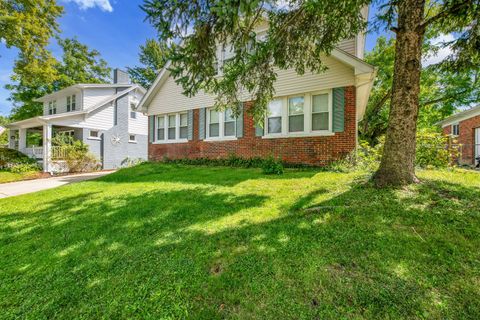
x,y
116,28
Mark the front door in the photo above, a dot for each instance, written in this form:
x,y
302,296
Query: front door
x,y
477,147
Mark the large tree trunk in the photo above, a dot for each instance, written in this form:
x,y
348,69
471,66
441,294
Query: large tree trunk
x,y
398,162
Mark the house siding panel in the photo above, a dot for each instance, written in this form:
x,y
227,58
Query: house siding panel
x,y
318,151
92,96
348,45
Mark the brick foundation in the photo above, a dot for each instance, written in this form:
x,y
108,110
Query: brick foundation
x,y
466,138
317,151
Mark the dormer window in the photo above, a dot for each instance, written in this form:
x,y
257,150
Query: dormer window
x,y
52,107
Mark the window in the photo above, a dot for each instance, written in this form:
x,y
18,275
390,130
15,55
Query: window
x,y
52,107
213,123
132,138
183,126
274,120
74,102
320,114
69,133
455,129
295,114
160,127
229,124
172,127
133,113
94,134
308,114
71,102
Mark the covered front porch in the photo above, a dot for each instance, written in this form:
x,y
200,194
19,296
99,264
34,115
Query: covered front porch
x,y
34,138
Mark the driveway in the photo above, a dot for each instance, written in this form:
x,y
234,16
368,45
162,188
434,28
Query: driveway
x,y
29,186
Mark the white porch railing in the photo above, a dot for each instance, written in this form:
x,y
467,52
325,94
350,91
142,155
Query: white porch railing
x,y
34,152
58,153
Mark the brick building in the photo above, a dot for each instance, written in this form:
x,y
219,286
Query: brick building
x,y
465,128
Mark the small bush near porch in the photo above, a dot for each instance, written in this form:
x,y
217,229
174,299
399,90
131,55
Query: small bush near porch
x,y
166,241
15,166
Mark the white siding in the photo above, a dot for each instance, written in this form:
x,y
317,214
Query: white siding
x,y
139,125
62,103
169,97
92,96
348,45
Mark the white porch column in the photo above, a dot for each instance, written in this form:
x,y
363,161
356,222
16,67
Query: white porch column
x,y
47,146
22,139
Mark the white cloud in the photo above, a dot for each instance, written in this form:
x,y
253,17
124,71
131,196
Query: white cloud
x,y
104,5
442,52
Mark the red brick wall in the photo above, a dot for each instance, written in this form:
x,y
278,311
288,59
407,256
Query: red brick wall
x,y
319,150
466,138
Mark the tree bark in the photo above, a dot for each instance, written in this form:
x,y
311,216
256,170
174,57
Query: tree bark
x,y
397,167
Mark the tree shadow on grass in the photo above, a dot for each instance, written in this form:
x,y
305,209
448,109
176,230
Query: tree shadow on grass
x,y
365,253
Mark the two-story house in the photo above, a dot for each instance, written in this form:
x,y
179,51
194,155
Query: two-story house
x,y
312,119
103,116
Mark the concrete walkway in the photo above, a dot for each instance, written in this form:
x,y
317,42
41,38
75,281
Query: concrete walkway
x,y
29,186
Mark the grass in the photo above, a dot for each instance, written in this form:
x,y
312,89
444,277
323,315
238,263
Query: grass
x,y
6,176
167,242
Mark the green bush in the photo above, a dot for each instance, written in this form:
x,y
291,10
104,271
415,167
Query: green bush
x,y
434,150
269,165
75,153
24,168
272,166
10,158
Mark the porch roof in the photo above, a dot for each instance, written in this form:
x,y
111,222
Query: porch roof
x,y
42,120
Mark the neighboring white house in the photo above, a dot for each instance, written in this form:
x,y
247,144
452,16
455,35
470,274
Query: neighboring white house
x,y
103,116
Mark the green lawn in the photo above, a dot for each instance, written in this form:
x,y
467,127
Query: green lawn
x,y
167,242
6,176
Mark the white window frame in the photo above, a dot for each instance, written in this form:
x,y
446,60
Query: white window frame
x,y
132,111
221,127
166,127
307,117
93,137
458,129
52,107
180,124
130,140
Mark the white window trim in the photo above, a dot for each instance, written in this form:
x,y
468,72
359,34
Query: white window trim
x,y
221,128
307,117
166,126
451,129
130,140
90,137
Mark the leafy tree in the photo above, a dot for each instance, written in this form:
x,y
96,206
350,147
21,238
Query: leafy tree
x,y
152,57
28,25
297,36
3,136
442,91
79,64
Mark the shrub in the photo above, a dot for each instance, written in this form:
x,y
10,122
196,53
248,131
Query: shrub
x,y
75,153
434,150
365,157
25,167
130,162
272,166
10,158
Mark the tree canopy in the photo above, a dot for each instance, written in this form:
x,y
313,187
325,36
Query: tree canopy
x,y
78,64
29,26
153,56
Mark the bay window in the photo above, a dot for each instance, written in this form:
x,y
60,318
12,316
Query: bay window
x,y
295,114
320,112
